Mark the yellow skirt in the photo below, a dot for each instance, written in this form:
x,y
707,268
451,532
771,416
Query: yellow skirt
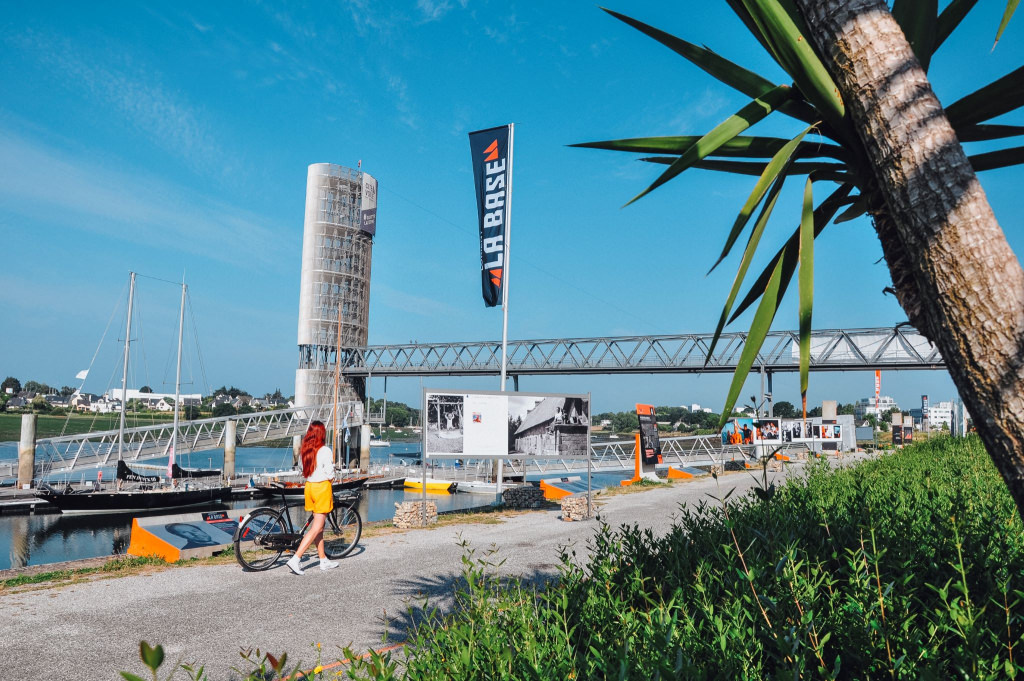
x,y
319,497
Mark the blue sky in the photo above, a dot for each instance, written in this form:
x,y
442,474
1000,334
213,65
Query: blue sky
x,y
171,138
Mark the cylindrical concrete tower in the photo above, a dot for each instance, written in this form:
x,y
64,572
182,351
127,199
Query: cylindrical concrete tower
x,y
337,242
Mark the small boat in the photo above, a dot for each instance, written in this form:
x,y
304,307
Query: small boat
x,y
473,487
276,488
433,485
379,443
135,491
71,501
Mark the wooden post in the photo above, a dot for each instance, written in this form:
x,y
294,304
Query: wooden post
x,y
364,447
230,441
27,450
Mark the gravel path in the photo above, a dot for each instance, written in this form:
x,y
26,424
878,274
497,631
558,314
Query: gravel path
x,y
207,613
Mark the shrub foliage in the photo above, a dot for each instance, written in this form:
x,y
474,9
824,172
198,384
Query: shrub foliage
x,y
906,567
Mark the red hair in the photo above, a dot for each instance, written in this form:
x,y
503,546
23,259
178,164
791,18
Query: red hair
x,y
312,441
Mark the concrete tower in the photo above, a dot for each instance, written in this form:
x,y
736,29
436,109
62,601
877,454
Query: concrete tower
x,y
337,242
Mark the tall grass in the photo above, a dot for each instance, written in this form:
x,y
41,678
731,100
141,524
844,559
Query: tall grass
x,y
907,567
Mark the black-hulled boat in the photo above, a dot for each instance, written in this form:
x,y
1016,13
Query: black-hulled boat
x,y
277,488
138,493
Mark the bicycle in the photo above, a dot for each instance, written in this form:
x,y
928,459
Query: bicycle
x,y
266,532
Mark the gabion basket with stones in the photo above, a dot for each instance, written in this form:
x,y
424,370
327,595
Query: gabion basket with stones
x,y
575,508
523,496
410,514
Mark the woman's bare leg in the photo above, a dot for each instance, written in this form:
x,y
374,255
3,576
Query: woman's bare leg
x,y
314,533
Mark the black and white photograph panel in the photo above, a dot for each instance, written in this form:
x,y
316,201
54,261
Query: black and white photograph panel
x,y
548,426
444,423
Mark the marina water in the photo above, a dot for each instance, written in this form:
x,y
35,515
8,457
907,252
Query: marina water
x,y
53,537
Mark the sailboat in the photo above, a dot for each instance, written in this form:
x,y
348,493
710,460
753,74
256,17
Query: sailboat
x,y
145,492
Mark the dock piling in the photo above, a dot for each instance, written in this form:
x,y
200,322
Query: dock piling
x,y
27,450
230,442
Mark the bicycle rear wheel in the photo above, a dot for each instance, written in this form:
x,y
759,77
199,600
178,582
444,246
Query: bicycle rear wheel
x,y
258,542
342,531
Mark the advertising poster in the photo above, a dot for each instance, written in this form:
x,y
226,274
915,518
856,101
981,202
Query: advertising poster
x,y
481,425
908,434
897,435
492,174
650,444
368,207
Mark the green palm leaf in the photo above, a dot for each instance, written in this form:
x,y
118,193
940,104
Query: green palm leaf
x,y
950,19
735,76
746,81
918,18
748,255
856,209
806,285
759,327
722,133
744,146
835,172
823,214
796,55
1011,7
771,172
997,159
996,98
981,133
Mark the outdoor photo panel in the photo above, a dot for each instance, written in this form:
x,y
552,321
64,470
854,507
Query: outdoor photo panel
x,y
650,444
738,431
769,431
481,425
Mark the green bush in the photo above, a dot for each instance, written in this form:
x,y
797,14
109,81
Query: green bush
x,y
910,566
907,567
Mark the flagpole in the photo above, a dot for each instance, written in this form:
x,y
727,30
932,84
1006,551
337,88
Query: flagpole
x,y
337,374
504,282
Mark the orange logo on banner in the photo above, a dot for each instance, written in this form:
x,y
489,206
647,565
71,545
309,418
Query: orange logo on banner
x,y
492,151
495,277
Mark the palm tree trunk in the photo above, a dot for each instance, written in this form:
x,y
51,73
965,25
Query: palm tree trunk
x,y
952,269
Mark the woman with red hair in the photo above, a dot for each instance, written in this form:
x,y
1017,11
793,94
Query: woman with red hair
x,y
318,469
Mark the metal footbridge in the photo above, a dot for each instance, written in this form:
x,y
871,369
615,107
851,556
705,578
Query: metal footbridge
x,y
63,455
897,348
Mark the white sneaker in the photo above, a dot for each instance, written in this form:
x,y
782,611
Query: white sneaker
x,y
294,564
326,564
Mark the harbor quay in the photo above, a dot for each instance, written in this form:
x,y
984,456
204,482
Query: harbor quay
x,y
208,613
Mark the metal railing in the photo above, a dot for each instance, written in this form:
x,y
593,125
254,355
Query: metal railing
x,y
65,454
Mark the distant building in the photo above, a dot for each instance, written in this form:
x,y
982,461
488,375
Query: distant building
x,y
866,406
936,414
115,394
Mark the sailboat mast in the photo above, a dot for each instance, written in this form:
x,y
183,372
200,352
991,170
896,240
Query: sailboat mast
x,y
124,372
337,376
177,377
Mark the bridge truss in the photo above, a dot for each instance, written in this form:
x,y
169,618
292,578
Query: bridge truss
x,y
898,348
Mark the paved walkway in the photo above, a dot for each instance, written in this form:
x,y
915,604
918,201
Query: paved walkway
x,y
207,613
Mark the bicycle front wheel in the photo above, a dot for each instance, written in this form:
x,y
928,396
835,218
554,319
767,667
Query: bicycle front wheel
x,y
342,531
258,542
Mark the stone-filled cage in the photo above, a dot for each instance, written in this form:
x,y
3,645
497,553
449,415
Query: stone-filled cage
x,y
335,280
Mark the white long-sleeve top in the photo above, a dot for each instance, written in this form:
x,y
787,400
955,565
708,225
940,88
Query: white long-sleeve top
x,y
324,466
